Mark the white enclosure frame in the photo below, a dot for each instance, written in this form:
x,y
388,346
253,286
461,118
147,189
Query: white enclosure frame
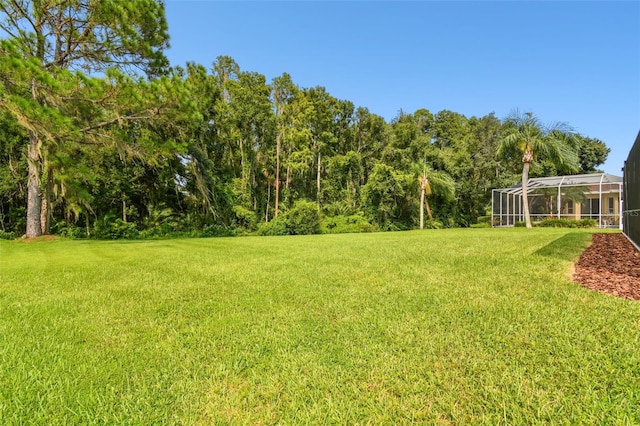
x,y
507,207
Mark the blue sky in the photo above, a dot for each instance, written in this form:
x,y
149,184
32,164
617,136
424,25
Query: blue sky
x,y
571,61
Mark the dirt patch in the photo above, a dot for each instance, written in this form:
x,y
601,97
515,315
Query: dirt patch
x,y
41,238
611,265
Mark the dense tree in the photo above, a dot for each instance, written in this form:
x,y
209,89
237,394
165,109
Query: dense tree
x,y
341,187
449,129
370,134
381,195
46,42
319,115
481,172
203,157
592,153
13,172
283,91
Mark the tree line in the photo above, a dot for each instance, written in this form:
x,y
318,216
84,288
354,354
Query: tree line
x,y
100,136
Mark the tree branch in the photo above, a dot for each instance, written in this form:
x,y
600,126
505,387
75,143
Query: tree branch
x,y
117,120
24,13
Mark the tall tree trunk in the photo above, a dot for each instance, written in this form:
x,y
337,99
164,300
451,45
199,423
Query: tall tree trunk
x,y
46,207
34,193
266,212
124,210
243,174
34,183
422,206
288,179
525,197
527,159
318,179
245,177
278,142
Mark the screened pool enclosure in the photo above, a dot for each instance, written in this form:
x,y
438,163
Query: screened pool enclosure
x,y
593,196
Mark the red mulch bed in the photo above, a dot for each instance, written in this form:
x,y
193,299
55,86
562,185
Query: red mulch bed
x,y
611,265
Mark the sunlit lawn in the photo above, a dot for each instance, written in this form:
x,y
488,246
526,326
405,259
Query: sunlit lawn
x,y
475,326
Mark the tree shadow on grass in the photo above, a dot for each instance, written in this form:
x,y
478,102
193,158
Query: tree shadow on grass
x,y
568,247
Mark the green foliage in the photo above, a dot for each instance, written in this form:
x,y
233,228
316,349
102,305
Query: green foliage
x,y
346,224
433,224
303,218
13,219
158,231
568,223
165,231
592,152
562,223
383,196
480,225
245,218
71,231
217,231
13,171
339,208
484,219
70,111
4,235
483,222
275,227
110,228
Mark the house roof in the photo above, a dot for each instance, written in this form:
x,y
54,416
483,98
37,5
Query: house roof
x,y
562,181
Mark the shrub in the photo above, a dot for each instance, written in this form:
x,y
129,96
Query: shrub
x,y
68,230
73,232
166,231
218,231
568,223
157,231
480,225
303,218
588,223
339,208
6,235
109,229
277,226
346,224
395,227
433,224
554,223
484,219
245,218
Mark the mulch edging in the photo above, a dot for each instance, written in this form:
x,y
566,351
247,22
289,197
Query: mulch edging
x,y
611,265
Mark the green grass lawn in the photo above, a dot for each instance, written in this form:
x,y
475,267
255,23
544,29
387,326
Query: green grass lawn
x,y
464,326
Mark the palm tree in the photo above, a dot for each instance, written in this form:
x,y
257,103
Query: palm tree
x,y
433,182
525,133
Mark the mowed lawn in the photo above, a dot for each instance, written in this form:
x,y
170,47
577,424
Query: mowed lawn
x,y
463,326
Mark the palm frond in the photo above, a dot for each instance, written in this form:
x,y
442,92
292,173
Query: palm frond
x,y
442,184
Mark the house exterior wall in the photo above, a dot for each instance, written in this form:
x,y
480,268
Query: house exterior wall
x,y
575,214
608,211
